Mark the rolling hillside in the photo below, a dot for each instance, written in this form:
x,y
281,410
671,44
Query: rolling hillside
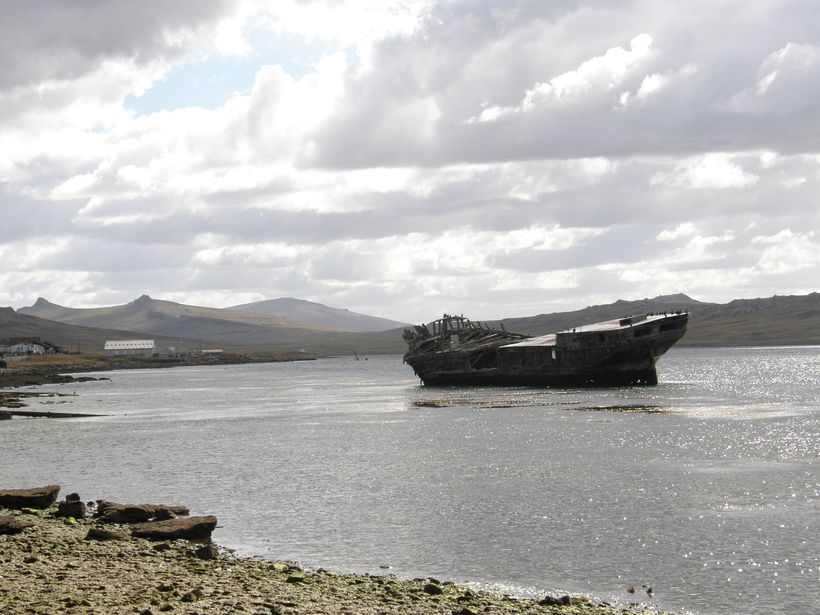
x,y
789,320
559,321
151,316
232,329
70,337
311,314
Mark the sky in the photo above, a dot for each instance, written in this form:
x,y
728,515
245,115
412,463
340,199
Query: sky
x,y
411,157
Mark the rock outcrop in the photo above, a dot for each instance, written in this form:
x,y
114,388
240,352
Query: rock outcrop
x,y
196,528
137,513
38,497
13,525
71,509
102,533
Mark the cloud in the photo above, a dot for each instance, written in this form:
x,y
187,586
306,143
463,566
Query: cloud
x,y
408,157
687,229
787,251
597,75
656,85
65,41
709,171
787,82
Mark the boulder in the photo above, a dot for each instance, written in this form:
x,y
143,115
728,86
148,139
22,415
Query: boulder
x,y
163,514
137,513
193,596
38,497
565,600
13,525
190,528
101,533
208,551
71,509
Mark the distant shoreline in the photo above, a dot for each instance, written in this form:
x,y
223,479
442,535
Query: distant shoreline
x,y
55,371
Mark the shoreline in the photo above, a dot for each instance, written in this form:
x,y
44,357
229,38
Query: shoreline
x,y
37,373
52,566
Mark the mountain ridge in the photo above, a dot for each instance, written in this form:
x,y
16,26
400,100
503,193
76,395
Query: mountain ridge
x,y
311,313
776,320
69,337
236,330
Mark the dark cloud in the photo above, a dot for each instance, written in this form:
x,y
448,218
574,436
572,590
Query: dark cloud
x,y
53,40
706,97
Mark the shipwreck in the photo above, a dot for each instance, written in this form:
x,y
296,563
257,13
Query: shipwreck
x,y
456,351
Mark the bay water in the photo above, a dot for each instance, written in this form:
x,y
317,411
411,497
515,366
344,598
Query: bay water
x,y
703,488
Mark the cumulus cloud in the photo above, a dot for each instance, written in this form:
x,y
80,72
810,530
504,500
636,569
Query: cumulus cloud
x,y
657,84
787,82
597,75
687,229
716,170
787,251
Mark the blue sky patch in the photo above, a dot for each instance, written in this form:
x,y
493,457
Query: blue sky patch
x,y
211,82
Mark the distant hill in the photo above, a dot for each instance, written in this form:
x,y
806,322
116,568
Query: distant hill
x,y
789,320
69,337
774,321
148,315
232,329
559,321
313,314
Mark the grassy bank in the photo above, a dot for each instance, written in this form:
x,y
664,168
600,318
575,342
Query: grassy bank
x,y
51,567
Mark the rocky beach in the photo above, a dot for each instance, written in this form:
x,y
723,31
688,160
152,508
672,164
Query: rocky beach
x,y
103,557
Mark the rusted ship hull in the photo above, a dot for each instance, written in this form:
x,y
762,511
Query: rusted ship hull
x,y
613,353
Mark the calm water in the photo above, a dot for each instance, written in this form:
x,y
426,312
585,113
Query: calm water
x,y
704,488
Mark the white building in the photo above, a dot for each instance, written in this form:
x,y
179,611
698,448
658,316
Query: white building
x,y
23,348
130,348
